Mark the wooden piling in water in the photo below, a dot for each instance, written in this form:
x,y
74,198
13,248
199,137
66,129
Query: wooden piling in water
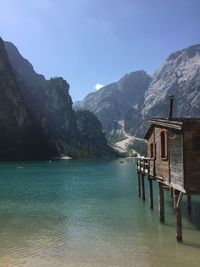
x,y
143,187
139,184
161,202
177,200
150,193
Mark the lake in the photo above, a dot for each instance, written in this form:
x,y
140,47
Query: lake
x,y
87,213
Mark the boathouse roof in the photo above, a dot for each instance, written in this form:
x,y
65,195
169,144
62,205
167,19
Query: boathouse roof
x,y
173,123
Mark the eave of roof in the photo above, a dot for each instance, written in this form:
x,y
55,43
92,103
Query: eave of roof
x,y
173,124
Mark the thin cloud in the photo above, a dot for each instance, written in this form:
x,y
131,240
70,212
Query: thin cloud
x,y
98,86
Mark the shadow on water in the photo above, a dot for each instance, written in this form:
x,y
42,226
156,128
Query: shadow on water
x,y
172,225
194,216
190,244
191,220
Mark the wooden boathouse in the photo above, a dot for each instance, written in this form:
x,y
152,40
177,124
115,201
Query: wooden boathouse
x,y
173,160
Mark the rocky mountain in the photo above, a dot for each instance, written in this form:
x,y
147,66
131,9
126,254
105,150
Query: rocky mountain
x,y
20,137
47,114
37,118
179,75
138,97
31,83
118,101
91,137
48,100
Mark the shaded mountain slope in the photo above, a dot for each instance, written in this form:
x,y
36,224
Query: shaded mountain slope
x,y
36,115
20,136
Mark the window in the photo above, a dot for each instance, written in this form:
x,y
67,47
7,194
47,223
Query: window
x,y
151,151
163,145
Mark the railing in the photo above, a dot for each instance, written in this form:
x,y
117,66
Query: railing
x,y
143,165
146,166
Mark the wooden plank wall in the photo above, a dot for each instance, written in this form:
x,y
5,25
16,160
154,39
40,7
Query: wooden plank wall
x,y
161,166
152,173
151,141
192,157
176,157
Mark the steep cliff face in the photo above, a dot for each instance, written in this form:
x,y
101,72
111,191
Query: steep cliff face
x,y
91,135
24,69
49,100
58,114
31,83
115,102
12,113
179,76
49,106
20,136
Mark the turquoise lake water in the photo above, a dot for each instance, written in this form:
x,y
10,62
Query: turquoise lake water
x,y
87,213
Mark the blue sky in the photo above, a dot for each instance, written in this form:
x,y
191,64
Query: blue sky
x,y
98,41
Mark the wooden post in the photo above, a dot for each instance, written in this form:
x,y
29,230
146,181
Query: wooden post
x,y
150,193
177,200
161,202
143,187
189,203
139,184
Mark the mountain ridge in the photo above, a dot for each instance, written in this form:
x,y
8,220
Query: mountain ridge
x,y
179,75
112,102
48,106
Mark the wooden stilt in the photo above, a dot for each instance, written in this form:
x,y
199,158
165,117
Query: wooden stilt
x,y
150,193
139,185
189,203
161,202
177,200
143,187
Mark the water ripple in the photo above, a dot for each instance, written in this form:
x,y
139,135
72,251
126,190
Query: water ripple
x,y
87,213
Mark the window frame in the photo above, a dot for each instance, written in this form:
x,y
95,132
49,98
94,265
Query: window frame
x,y
152,150
164,145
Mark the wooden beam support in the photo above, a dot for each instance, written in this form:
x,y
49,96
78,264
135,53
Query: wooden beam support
x,y
150,193
139,184
177,200
178,203
161,202
143,187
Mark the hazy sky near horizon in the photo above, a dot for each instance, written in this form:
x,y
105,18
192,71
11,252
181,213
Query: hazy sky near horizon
x,y
96,42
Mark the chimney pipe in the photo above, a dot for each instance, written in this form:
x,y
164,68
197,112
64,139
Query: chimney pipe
x,y
171,100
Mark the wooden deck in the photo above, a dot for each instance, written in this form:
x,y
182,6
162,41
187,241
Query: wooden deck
x,y
173,161
143,165
146,168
